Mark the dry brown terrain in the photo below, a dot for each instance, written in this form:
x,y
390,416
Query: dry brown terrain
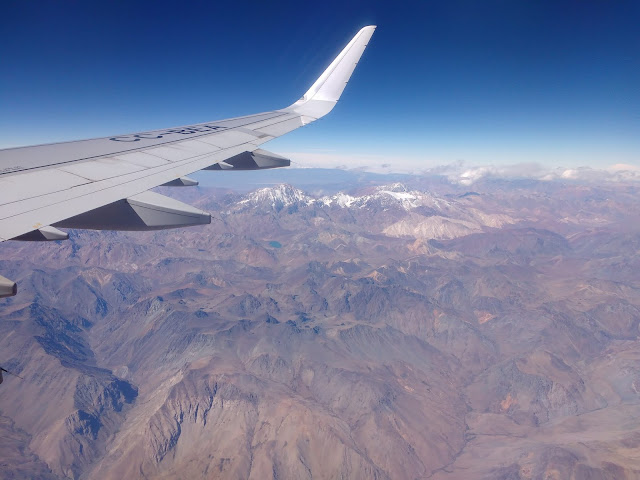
x,y
407,331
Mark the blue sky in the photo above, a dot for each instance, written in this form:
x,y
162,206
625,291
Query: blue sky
x,y
483,82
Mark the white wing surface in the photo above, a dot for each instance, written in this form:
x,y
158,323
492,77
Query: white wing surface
x,y
102,183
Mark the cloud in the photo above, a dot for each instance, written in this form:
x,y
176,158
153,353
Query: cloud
x,y
474,174
621,173
461,173
624,166
374,163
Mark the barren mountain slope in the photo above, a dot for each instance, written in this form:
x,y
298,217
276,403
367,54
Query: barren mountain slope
x,y
385,332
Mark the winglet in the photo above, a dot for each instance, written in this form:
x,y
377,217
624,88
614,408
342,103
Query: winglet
x,y
325,92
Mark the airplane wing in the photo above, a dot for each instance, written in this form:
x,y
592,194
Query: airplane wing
x,y
103,183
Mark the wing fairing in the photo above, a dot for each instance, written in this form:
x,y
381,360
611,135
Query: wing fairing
x,y
145,211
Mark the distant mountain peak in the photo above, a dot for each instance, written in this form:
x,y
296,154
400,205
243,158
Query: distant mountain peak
x,y
392,196
277,197
394,187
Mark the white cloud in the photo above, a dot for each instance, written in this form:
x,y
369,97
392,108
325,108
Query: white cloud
x,y
624,166
459,172
538,172
472,175
375,163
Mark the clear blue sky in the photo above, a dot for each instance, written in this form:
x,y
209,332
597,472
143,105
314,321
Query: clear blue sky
x,y
553,82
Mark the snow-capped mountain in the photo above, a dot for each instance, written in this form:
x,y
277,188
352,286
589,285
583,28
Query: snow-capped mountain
x,y
276,198
394,210
386,197
389,196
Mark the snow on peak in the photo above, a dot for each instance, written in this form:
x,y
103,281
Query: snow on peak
x,y
340,199
387,196
393,196
394,187
401,194
277,197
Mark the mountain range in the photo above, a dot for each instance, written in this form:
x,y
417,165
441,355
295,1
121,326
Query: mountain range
x,y
388,330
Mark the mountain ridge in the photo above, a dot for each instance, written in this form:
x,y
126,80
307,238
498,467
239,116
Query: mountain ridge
x,y
299,335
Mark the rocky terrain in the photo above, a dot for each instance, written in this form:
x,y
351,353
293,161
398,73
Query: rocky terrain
x,y
416,330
